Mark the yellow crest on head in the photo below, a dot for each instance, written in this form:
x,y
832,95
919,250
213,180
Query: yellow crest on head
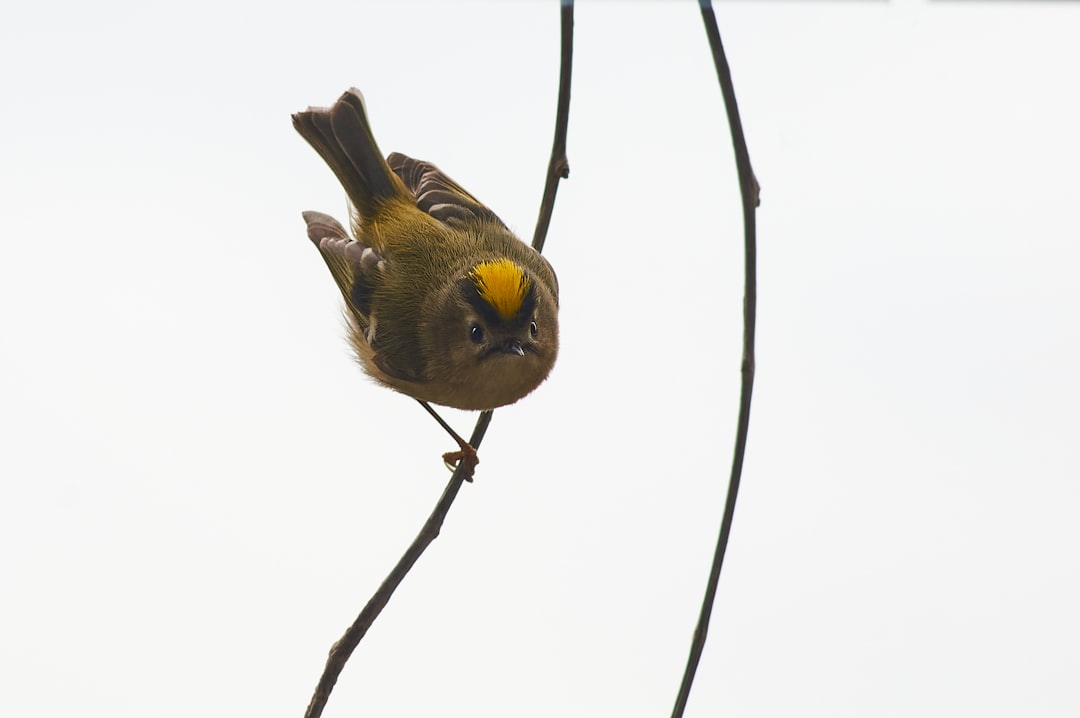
x,y
502,284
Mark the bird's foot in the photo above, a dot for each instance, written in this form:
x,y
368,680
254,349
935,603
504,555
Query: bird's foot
x,y
466,456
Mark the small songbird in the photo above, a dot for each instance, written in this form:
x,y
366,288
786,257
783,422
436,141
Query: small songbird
x,y
444,303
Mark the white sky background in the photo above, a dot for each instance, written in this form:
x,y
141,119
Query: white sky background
x,y
200,490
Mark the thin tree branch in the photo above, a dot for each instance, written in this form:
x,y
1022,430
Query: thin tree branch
x,y
340,651
749,188
558,167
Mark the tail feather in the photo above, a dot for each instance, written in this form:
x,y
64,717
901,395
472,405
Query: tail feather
x,y
342,137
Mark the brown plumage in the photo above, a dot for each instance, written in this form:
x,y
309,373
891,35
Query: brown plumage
x,y
445,304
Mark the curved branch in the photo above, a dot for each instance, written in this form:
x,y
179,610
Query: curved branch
x,y
749,188
557,168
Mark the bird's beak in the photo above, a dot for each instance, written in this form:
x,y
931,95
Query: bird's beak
x,y
513,346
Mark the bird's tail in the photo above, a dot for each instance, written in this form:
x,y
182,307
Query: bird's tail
x,y
342,137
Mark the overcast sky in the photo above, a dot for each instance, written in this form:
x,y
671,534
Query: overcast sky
x,y
199,489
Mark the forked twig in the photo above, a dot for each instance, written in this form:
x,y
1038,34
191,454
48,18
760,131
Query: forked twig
x,y
748,186
557,168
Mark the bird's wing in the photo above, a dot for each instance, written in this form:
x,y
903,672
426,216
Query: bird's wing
x,y
438,195
354,266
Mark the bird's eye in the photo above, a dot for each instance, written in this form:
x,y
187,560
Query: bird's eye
x,y
532,329
477,334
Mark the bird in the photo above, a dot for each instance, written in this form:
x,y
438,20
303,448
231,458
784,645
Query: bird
x,y
444,303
